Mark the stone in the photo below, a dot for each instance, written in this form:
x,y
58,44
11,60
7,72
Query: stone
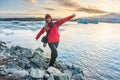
x,y
3,72
15,50
51,77
46,76
78,77
38,60
2,45
68,72
61,66
61,77
16,72
27,53
23,61
53,70
36,73
39,49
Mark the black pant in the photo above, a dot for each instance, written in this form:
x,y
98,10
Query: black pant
x,y
54,53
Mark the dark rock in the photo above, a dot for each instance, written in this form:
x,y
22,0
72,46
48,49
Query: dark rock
x,y
39,49
23,62
38,60
61,66
16,72
27,53
53,70
36,73
46,76
61,77
2,45
17,50
78,77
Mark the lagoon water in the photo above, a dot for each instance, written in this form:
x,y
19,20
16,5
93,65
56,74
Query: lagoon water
x,y
94,47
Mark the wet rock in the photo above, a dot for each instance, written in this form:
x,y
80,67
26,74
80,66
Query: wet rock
x,y
61,77
39,49
38,60
53,70
61,66
23,62
17,50
75,72
3,45
57,75
46,76
68,72
16,72
27,53
78,77
36,73
2,70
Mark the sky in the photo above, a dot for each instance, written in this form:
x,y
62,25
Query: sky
x,y
57,8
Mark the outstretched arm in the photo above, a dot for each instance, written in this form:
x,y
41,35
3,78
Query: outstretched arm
x,y
61,21
40,33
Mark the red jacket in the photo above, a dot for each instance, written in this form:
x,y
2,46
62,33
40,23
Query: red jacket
x,y
53,35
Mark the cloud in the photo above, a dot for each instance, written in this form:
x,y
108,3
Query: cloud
x,y
31,1
75,6
88,10
67,3
51,9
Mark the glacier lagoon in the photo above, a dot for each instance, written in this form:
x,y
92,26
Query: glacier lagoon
x,y
94,47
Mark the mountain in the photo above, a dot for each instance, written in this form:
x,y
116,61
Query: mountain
x,y
109,18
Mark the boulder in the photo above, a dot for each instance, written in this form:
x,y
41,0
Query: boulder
x,y
75,72
38,60
23,61
61,66
53,70
78,77
36,73
27,53
39,49
16,72
57,75
17,50
61,77
2,45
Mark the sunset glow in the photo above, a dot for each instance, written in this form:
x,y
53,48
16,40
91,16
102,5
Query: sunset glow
x,y
58,8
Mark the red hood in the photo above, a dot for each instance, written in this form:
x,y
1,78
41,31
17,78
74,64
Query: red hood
x,y
48,16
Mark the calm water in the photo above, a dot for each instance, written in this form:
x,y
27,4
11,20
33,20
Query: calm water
x,y
95,47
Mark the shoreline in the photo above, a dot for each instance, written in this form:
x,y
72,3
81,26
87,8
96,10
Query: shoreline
x,y
20,63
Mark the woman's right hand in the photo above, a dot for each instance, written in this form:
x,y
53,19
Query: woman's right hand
x,y
74,15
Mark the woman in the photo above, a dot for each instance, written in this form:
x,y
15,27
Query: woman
x,y
53,35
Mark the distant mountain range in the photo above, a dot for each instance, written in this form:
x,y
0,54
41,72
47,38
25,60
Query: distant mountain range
x,y
110,18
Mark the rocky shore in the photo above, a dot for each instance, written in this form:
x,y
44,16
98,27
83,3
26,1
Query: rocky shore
x,y
18,63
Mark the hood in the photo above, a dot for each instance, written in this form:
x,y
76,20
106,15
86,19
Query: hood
x,y
48,16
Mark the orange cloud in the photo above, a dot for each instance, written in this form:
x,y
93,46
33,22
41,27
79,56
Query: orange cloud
x,y
31,1
75,6
88,10
51,9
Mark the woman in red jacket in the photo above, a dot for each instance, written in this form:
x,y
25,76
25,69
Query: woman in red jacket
x,y
53,36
